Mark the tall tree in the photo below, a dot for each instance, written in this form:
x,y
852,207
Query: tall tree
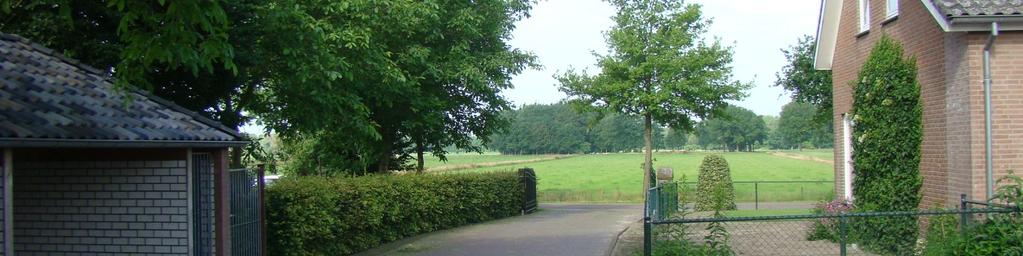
x,y
796,125
616,132
675,139
385,79
806,83
546,129
660,67
737,129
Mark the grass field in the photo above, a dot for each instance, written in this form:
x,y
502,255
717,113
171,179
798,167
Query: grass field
x,y
617,177
471,158
759,213
826,154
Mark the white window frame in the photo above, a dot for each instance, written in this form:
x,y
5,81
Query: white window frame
x,y
847,158
892,9
864,15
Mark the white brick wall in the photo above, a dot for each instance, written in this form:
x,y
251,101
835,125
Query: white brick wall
x,y
101,208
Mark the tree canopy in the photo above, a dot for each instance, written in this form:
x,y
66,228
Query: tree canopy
x,y
797,128
559,129
736,129
807,84
351,86
660,67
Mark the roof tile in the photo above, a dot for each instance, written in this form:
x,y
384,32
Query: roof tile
x,y
960,8
48,96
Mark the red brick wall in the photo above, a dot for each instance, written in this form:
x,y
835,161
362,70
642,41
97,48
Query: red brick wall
x,y
1007,107
923,39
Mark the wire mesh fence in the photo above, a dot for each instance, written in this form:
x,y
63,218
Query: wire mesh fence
x,y
858,233
757,191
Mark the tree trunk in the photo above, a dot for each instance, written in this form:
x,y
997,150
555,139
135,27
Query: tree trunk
x,y
384,157
648,159
419,157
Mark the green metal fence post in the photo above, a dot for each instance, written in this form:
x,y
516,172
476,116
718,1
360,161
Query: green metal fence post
x,y
647,237
648,210
756,195
964,217
842,230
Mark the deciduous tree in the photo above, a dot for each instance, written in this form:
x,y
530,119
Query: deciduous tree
x,y
806,83
660,67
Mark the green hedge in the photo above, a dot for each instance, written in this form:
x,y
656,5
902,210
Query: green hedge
x,y
886,149
341,216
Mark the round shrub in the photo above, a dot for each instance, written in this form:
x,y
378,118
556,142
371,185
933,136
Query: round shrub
x,y
887,136
714,185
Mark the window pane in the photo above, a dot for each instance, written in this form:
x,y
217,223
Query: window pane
x,y
893,8
864,15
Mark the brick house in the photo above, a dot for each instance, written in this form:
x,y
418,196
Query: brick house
x,y
948,39
87,170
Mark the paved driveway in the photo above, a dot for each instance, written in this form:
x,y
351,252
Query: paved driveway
x,y
558,229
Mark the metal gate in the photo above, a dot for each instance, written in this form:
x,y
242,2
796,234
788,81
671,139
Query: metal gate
x,y
203,207
246,236
529,202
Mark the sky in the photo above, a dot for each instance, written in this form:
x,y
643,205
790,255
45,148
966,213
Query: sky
x,y
564,34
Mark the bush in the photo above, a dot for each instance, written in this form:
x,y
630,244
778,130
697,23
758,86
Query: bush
x,y
341,216
714,175
888,132
827,228
996,234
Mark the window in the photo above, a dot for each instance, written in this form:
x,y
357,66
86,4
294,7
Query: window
x,y
864,15
893,9
847,160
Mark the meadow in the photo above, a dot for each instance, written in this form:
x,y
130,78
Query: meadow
x,y
826,154
618,177
473,158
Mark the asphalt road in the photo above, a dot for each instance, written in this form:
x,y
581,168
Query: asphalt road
x,y
557,229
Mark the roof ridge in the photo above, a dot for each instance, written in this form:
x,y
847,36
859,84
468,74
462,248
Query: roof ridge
x,y
110,80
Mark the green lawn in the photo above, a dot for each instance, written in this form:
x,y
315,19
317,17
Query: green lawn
x,y
473,158
826,154
773,212
617,177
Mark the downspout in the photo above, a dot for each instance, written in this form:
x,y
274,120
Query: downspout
x,y
988,163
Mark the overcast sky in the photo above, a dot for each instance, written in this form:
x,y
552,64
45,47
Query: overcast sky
x,y
564,33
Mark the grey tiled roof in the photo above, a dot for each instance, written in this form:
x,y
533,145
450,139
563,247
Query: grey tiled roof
x,y
962,8
46,96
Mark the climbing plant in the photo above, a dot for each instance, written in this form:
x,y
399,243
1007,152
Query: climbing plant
x,y
888,132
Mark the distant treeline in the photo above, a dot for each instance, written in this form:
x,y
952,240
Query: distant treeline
x,y
560,129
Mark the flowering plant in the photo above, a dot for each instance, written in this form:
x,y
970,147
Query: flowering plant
x,y
826,228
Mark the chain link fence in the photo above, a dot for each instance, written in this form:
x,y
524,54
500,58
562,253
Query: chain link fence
x,y
678,232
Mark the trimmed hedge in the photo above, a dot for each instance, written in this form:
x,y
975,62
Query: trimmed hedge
x,y
886,150
714,185
341,216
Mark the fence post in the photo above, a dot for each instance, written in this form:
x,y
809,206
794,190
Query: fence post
x,y
964,217
756,195
647,237
262,208
842,230
647,226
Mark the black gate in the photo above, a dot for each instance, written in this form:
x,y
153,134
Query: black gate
x,y
203,208
529,184
246,236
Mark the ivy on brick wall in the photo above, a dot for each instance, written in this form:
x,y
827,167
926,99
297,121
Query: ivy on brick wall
x,y
887,134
